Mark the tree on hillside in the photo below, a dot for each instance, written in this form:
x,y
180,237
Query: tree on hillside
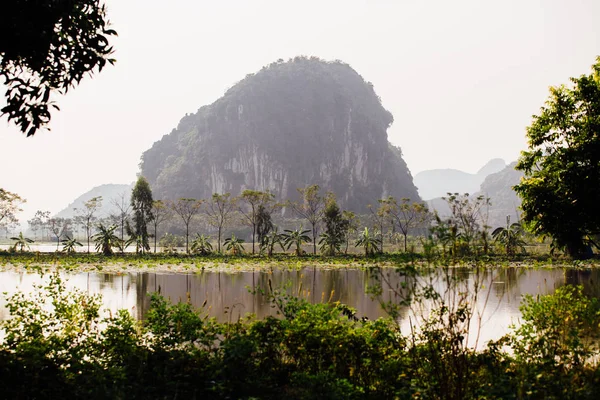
x,y
86,216
186,209
141,203
47,47
310,207
161,213
219,210
10,205
251,203
561,188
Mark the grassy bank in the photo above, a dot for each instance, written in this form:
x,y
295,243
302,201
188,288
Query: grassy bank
x,y
182,263
161,262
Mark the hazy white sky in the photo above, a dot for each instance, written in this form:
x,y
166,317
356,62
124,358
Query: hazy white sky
x,y
462,78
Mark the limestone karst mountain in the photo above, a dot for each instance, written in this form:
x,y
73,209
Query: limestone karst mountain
x,y
438,182
292,124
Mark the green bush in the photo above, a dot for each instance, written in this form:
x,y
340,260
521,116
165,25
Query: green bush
x,y
55,345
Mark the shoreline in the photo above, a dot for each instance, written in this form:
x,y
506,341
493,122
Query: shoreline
x,y
185,264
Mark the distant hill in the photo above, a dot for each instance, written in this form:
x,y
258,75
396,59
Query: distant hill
x,y
438,182
291,124
108,193
498,187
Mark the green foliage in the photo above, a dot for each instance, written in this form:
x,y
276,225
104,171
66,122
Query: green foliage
x,y
561,189
186,209
219,210
85,216
330,245
556,344
21,242
141,203
336,227
264,223
201,245
468,219
56,345
48,47
369,242
106,239
311,208
510,236
169,242
256,208
296,238
407,216
69,244
560,329
10,204
271,240
234,245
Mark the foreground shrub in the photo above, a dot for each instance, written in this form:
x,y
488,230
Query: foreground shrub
x,y
56,346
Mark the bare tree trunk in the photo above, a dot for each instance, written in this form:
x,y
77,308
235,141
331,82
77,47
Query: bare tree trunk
x,y
187,235
253,235
155,232
219,239
314,238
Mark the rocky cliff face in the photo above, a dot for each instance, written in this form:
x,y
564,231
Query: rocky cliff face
x,y
292,124
505,201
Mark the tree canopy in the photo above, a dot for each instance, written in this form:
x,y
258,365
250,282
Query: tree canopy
x,y
9,206
141,203
47,46
561,189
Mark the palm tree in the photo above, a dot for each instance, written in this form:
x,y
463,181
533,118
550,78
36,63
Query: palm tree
x,y
270,240
369,242
69,245
329,244
234,245
297,238
135,240
510,236
106,239
21,242
201,245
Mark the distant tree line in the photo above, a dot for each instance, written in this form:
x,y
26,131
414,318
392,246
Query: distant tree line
x,y
257,216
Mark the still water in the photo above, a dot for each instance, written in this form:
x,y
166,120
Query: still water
x,y
227,296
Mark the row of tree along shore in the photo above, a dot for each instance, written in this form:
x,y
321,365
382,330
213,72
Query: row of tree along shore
x,y
147,224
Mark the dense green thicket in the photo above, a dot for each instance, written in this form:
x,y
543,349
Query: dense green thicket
x,y
56,346
561,188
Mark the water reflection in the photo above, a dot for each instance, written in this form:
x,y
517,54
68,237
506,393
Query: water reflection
x,y
228,295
